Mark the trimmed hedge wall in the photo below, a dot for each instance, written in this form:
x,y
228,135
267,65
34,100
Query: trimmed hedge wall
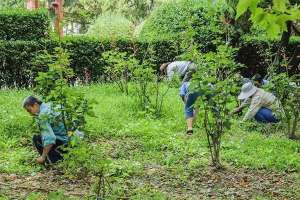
x,y
85,54
24,34
24,24
16,56
255,54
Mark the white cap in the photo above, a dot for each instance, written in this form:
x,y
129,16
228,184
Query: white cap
x,y
248,89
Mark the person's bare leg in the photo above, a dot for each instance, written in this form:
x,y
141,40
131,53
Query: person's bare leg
x,y
189,123
196,111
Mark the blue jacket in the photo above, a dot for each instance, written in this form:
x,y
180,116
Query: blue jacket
x,y
51,126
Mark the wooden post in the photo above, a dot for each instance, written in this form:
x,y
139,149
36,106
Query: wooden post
x,y
32,4
58,7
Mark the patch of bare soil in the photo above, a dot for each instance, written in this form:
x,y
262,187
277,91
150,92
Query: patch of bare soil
x,y
225,184
205,183
19,187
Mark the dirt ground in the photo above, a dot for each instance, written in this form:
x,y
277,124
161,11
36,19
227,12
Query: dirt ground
x,y
202,184
19,187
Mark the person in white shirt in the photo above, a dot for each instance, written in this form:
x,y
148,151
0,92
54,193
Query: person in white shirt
x,y
262,104
184,69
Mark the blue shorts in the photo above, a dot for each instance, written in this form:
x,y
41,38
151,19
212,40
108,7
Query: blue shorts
x,y
265,115
190,100
189,104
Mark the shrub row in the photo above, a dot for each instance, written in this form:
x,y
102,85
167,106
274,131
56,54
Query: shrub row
x,y
171,21
16,56
24,24
257,54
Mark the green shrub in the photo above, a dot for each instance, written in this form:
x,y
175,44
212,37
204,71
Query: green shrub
x,y
15,58
214,81
119,68
111,26
20,24
165,22
84,159
255,53
17,66
85,53
170,21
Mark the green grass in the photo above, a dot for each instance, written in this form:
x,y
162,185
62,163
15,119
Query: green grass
x,y
134,141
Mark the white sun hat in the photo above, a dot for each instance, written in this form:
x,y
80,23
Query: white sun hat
x,y
248,89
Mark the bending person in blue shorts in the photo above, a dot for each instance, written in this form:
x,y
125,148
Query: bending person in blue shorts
x,y
185,69
189,99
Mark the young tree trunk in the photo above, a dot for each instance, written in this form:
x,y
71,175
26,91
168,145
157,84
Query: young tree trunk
x,y
285,38
216,151
32,4
214,141
292,132
288,121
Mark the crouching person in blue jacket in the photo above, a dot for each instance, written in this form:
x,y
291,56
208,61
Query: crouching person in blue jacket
x,y
53,135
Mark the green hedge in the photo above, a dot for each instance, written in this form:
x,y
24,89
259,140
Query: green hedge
x,y
255,53
24,24
171,20
85,53
16,56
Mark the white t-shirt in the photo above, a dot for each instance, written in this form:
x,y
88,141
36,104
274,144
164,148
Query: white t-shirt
x,y
178,67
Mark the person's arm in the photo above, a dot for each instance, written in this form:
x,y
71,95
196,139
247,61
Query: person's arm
x,y
237,110
253,109
170,74
240,108
48,139
46,150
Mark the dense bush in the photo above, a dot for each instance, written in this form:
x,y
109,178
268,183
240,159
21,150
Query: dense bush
x,y
165,22
170,21
16,57
24,24
111,26
85,53
257,53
